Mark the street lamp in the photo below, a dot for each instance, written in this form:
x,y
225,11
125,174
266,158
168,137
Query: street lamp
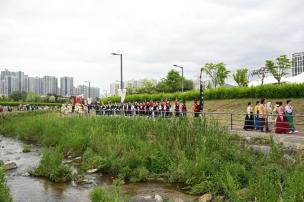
x,y
201,92
89,88
182,76
121,82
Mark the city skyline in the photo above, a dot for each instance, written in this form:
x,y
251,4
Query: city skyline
x,y
11,81
73,38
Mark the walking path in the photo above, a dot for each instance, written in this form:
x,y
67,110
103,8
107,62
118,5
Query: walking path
x,y
294,141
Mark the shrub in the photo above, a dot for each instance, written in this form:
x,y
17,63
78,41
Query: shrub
x,y
4,192
100,194
265,91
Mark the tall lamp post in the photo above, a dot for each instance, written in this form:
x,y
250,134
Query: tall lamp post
x,y
89,88
121,82
182,76
201,100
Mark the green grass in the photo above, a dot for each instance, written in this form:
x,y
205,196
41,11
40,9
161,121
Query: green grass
x,y
26,148
99,194
198,153
4,192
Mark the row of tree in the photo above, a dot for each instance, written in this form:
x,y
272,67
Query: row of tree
x,y
22,96
173,82
218,73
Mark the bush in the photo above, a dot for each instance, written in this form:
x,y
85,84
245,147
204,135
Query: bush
x,y
52,168
10,103
265,91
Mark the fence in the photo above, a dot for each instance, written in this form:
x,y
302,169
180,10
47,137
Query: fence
x,y
235,121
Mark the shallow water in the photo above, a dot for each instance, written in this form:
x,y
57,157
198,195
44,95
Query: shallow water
x,y
25,188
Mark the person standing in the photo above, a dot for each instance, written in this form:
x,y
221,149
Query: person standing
x,y
249,119
176,108
183,109
268,116
289,116
281,122
195,109
256,115
262,114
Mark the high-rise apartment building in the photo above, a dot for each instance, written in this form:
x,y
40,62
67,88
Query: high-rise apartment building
x,y
297,63
49,85
66,86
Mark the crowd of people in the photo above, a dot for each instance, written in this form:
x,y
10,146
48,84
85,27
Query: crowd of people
x,y
7,109
151,108
263,114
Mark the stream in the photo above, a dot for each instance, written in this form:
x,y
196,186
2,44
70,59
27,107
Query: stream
x,y
31,189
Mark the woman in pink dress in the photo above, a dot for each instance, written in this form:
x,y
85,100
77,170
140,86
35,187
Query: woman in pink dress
x,y
282,125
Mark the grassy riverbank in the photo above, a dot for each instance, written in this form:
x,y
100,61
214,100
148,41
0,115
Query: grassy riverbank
x,y
4,192
200,154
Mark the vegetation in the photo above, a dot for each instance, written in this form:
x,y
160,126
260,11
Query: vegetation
x,y
198,153
264,91
11,103
241,77
4,192
100,194
279,68
217,72
51,167
18,96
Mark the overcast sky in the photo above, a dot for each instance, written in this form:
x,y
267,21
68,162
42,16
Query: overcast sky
x,y
76,37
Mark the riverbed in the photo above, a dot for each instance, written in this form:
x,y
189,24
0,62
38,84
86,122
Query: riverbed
x,y
25,188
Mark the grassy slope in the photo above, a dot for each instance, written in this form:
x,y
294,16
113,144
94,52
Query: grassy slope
x,y
198,154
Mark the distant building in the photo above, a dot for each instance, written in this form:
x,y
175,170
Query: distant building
x,y
114,88
50,85
297,64
84,90
66,86
35,85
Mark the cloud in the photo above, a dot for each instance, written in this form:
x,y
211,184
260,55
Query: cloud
x,y
76,38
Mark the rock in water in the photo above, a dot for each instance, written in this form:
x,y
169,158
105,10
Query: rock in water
x,y
205,198
10,166
158,198
91,171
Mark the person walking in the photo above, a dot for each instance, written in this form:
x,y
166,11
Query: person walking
x,y
282,125
249,118
262,114
289,116
256,115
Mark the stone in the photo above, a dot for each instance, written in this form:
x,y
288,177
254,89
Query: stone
x,y
10,166
67,161
87,181
26,174
205,198
178,200
91,171
261,149
158,198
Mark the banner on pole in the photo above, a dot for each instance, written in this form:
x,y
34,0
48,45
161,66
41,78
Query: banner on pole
x,y
122,93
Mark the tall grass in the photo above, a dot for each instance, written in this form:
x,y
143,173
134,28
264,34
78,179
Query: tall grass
x,y
199,153
4,192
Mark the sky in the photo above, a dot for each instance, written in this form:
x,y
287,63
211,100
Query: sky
x,y
76,37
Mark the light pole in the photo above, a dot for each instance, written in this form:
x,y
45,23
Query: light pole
x,y
89,88
182,76
201,92
121,82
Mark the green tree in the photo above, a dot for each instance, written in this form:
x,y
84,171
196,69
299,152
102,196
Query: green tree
x,y
217,72
18,96
279,68
241,77
188,85
31,97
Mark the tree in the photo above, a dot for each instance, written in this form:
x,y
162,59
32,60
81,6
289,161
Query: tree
x,y
18,96
217,72
188,85
241,77
279,68
31,97
261,73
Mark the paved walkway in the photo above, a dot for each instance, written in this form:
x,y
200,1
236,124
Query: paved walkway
x,y
295,141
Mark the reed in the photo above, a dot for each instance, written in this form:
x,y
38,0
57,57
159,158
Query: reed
x,y
198,153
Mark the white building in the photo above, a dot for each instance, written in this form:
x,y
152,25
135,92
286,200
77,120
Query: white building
x,y
297,63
